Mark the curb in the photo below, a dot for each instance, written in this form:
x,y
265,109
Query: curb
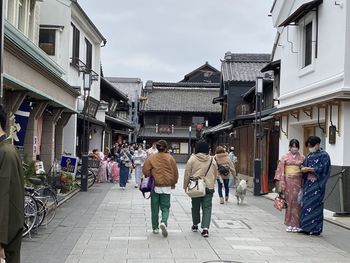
x,y
68,197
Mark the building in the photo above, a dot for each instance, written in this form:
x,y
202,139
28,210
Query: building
x,y
237,98
117,116
132,87
204,74
39,99
312,48
71,39
178,113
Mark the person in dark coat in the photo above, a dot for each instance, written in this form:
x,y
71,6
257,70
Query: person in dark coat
x,y
11,197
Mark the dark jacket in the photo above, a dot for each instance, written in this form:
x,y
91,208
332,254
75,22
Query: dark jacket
x,y
11,192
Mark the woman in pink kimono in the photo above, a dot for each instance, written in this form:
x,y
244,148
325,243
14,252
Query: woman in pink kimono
x,y
289,175
102,170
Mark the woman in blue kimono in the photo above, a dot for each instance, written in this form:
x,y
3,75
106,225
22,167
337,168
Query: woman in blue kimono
x,y
316,171
125,162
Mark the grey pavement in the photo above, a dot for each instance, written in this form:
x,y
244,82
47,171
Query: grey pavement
x,y
108,224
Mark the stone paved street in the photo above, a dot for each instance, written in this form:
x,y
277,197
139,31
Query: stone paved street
x,y
107,224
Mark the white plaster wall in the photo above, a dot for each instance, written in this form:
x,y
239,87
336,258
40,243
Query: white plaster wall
x,y
328,68
96,140
70,135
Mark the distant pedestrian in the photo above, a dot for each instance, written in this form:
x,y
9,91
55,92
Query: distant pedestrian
x,y
125,162
316,172
102,168
11,197
221,158
139,158
163,167
152,150
289,175
199,163
232,155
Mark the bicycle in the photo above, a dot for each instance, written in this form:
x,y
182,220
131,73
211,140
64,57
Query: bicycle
x,y
30,214
91,177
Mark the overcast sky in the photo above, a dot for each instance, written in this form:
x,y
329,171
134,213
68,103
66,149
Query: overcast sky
x,y
163,40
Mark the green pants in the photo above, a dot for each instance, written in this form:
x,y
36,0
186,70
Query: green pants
x,y
162,202
206,203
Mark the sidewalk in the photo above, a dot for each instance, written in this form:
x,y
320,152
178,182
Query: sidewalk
x,y
107,224
328,215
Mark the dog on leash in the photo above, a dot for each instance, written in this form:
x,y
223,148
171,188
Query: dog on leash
x,y
241,191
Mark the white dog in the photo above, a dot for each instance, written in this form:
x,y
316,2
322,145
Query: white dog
x,y
241,191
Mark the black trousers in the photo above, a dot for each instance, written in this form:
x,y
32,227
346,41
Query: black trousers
x,y
13,249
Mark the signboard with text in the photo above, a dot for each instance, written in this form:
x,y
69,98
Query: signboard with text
x,y
69,164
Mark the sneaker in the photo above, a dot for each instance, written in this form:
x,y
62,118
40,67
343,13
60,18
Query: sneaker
x,y
295,229
194,228
156,231
289,229
226,198
136,186
222,200
205,233
164,230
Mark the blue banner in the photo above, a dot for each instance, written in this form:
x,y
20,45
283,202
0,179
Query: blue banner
x,y
18,130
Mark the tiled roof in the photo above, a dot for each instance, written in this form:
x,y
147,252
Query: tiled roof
x,y
150,132
243,67
180,97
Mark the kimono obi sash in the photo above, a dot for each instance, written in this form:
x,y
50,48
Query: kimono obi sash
x,y
292,170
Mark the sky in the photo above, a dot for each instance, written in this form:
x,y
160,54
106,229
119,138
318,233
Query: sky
x,y
163,40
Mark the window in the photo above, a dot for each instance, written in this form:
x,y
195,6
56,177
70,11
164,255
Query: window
x,y
21,15
47,40
88,61
76,45
307,44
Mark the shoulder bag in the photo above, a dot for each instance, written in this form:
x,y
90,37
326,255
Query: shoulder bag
x,y
196,186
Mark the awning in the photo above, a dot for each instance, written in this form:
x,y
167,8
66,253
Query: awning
x,y
35,93
301,12
92,120
217,128
274,65
120,121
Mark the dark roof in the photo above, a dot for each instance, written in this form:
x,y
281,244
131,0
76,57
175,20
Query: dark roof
x,y
243,67
274,65
106,84
180,97
301,12
205,73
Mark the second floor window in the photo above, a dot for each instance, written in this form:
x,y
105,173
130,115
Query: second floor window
x,y
76,44
307,44
88,61
47,41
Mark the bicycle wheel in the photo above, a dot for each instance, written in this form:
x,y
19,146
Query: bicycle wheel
x,y
30,214
50,204
40,214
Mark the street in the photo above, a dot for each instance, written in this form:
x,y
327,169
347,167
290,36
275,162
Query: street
x,y
107,224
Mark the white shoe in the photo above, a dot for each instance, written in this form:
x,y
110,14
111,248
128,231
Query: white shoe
x,y
156,231
164,230
289,229
136,186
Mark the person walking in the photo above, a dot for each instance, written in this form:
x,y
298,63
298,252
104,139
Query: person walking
x,y
102,168
125,162
162,166
289,175
11,197
139,158
221,158
316,171
201,165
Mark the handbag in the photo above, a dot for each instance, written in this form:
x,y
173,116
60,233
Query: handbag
x,y
147,186
196,186
280,202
